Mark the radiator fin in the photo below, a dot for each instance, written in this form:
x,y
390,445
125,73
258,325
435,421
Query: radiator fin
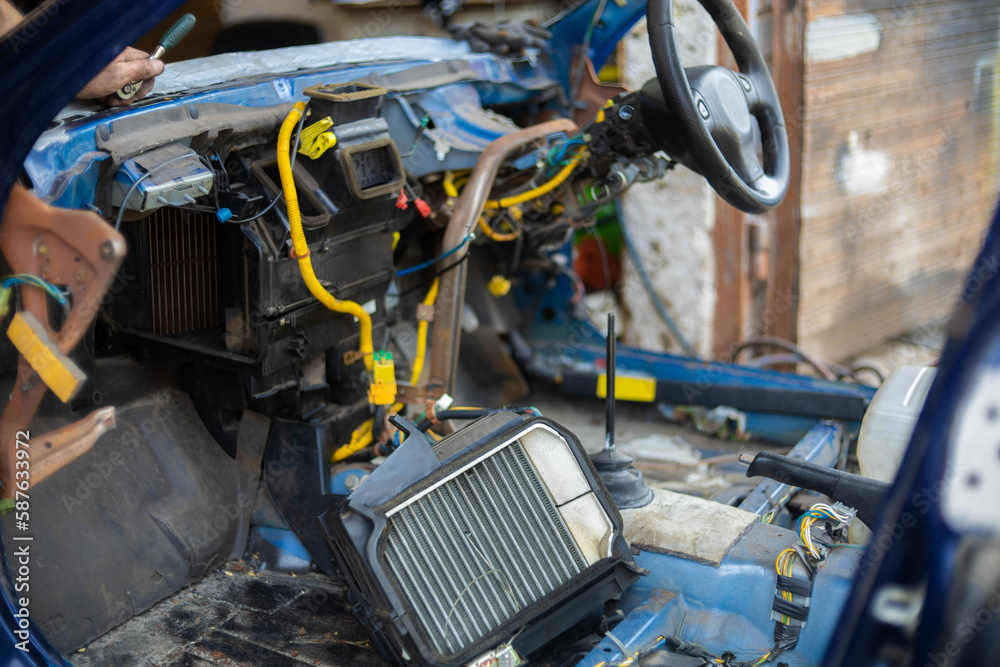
x,y
475,550
184,271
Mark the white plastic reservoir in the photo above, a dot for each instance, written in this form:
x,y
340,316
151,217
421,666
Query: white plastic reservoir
x,y
889,421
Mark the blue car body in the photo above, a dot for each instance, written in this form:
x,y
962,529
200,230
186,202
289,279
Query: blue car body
x,y
61,48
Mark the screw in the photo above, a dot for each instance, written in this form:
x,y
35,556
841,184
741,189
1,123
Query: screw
x,y
626,112
78,276
43,249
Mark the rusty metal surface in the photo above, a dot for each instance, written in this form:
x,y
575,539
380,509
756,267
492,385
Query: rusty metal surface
x,y
62,446
593,94
447,308
75,249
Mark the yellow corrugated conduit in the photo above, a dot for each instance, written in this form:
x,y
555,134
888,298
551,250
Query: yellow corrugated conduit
x,y
362,435
302,248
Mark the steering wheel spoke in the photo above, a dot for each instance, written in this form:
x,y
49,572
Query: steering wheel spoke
x,y
748,164
750,91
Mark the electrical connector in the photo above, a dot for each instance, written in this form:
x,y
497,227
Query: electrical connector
x,y
423,207
383,386
402,201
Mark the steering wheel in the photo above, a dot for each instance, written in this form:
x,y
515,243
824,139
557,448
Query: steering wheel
x,y
709,110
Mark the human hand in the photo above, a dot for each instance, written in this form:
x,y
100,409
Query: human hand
x,y
130,65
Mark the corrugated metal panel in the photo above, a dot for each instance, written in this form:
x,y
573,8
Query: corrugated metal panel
x,y
900,164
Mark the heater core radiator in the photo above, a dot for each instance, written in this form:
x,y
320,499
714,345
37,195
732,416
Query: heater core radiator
x,y
510,537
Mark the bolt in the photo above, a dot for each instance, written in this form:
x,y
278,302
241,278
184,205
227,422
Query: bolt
x,y
108,251
626,112
78,276
45,273
351,482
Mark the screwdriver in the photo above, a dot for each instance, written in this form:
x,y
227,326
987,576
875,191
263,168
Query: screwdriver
x,y
170,39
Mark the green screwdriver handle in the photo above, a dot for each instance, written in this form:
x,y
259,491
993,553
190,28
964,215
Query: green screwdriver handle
x,y
171,38
177,32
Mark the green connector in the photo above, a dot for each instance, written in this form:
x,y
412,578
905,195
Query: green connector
x,y
5,293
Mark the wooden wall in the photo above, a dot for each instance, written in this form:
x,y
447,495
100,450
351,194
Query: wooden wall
x,y
899,164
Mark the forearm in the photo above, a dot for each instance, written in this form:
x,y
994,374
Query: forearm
x,y
9,17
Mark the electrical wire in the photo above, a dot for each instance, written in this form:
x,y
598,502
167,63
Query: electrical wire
x,y
818,512
7,287
454,265
563,147
661,309
208,164
499,237
28,279
535,193
432,262
277,198
421,352
140,180
585,49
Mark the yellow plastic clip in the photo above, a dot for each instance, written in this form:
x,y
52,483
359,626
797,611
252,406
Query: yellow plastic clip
x,y
383,386
499,286
317,139
57,371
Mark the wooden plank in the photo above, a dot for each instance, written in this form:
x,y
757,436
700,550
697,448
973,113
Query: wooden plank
x,y
885,249
730,240
787,49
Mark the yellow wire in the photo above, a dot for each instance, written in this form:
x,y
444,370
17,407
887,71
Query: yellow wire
x,y
535,193
785,571
777,563
360,438
418,360
493,235
451,190
302,247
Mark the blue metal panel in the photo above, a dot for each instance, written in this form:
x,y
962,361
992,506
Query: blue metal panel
x,y
568,30
63,162
293,555
568,346
728,608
